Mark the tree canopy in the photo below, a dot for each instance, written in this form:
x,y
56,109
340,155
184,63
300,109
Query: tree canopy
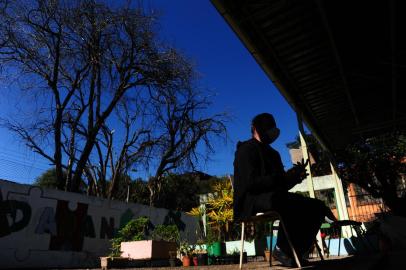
x,y
104,95
378,165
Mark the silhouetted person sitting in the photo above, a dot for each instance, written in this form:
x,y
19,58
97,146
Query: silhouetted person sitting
x,y
261,184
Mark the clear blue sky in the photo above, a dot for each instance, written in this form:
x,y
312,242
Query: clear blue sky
x,y
226,69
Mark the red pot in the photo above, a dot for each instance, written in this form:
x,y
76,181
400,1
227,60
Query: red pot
x,y
195,262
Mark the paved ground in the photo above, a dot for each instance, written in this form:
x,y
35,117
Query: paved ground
x,y
392,261
342,263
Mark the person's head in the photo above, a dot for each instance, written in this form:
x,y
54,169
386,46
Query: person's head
x,y
263,128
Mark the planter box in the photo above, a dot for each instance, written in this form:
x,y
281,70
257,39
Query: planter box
x,y
113,262
234,246
147,249
120,262
254,248
229,259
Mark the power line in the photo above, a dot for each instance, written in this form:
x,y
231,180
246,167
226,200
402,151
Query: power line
x,y
17,155
19,171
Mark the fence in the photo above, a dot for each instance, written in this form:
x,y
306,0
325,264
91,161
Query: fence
x,y
361,206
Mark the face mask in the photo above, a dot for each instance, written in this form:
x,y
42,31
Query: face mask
x,y
271,135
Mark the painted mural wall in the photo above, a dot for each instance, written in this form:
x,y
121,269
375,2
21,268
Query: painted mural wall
x,y
50,228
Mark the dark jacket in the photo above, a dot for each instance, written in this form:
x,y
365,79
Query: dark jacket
x,y
257,169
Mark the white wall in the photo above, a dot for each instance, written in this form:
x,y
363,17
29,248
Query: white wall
x,y
319,183
49,228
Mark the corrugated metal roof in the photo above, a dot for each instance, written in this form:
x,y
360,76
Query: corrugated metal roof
x,y
340,64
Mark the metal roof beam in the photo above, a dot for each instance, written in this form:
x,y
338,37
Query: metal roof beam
x,y
338,59
393,55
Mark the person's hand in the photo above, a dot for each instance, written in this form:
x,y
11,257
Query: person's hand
x,y
302,164
298,172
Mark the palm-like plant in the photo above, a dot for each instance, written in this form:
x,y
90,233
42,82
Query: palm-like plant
x,y
219,208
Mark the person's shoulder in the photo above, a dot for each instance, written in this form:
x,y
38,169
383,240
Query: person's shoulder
x,y
247,145
274,151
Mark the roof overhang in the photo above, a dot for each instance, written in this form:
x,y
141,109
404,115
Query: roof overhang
x,y
339,64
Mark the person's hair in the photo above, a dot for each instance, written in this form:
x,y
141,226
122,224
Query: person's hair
x,y
261,121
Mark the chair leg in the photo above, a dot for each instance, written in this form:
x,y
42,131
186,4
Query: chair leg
x,y
328,246
271,244
242,244
290,243
339,239
316,243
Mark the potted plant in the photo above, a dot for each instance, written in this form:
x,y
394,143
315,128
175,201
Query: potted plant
x,y
195,259
186,250
201,253
219,213
135,240
134,230
213,242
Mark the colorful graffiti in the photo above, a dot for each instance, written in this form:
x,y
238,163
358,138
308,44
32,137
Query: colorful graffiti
x,y
66,222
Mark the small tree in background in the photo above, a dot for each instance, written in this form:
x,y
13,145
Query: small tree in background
x,y
48,179
378,165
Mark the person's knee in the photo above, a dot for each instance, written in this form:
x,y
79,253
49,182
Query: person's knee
x,y
318,205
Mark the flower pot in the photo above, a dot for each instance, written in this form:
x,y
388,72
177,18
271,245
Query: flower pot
x,y
267,256
186,260
202,259
214,249
195,261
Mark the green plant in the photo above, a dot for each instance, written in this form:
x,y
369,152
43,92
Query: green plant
x,y
135,230
211,236
186,249
200,246
168,233
219,210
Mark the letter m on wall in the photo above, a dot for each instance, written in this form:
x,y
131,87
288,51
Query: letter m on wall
x,y
70,227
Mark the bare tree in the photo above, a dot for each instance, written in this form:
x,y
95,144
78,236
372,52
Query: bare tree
x,y
3,8
133,149
87,57
182,124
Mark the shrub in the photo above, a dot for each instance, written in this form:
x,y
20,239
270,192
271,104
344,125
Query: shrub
x,y
168,233
135,230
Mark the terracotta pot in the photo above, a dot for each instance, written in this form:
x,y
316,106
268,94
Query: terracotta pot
x,y
267,254
186,260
